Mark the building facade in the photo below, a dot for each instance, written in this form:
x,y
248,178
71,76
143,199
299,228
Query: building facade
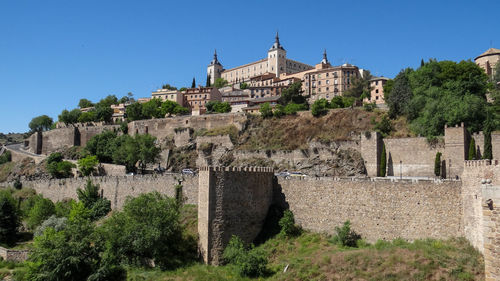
x,y
171,95
276,63
377,90
488,60
196,98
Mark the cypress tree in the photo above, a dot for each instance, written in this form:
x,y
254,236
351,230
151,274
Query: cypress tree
x,y
383,162
437,164
472,150
487,152
208,81
193,85
422,63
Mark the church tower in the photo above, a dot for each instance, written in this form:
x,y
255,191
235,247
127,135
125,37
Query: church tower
x,y
214,69
276,58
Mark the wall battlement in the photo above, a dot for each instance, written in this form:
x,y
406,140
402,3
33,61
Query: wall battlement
x,y
237,169
480,163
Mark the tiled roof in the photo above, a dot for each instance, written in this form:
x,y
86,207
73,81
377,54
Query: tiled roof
x,y
489,52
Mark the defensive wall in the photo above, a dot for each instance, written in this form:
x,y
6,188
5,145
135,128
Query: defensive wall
x,y
13,255
491,222
231,201
118,188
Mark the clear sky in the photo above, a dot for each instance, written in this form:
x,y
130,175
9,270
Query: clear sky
x,y
52,53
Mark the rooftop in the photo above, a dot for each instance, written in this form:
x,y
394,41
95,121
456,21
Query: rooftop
x,y
489,52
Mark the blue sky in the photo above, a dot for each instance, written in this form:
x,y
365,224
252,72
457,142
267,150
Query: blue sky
x,y
52,53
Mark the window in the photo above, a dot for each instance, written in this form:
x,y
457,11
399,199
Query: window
x,y
376,91
327,88
319,83
327,74
376,97
327,82
376,82
319,90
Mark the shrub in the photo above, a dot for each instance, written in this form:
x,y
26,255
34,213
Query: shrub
x,y
266,110
9,219
249,262
319,107
6,157
54,222
60,169
383,162
18,184
369,106
62,208
88,165
345,236
287,224
42,210
92,200
54,157
384,127
293,108
437,164
472,150
279,111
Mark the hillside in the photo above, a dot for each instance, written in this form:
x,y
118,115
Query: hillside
x,y
12,138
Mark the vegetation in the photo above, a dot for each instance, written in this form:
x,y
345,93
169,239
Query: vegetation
x,y
244,86
217,107
360,86
292,94
88,165
5,157
345,236
220,83
59,168
248,261
40,123
91,199
319,107
155,108
383,162
437,164
472,150
41,210
288,226
9,219
265,110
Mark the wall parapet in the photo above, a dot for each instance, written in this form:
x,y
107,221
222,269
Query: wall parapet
x,y
480,163
237,169
14,255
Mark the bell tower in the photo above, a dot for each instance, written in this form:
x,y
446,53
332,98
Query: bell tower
x,y
214,69
276,58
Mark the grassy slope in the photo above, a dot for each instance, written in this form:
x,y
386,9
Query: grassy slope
x,y
311,256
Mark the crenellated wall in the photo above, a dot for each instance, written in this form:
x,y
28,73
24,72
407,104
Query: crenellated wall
x,y
491,222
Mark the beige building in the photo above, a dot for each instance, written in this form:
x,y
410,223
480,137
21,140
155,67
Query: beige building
x,y
377,90
171,95
196,98
325,81
276,63
488,60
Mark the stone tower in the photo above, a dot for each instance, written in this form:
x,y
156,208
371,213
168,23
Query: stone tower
x,y
214,69
276,58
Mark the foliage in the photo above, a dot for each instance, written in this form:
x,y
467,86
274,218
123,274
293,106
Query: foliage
x,y
369,106
249,262
5,157
437,164
292,94
41,123
53,222
319,108
400,94
265,110
193,84
345,236
92,200
168,87
59,168
87,165
207,83
220,83
42,210
84,103
69,117
147,229
134,112
293,108
103,146
152,109
103,113
18,184
384,126
89,116
279,111
487,151
244,86
288,226
360,86
383,162
9,219
449,93
472,150
217,107
107,101
63,208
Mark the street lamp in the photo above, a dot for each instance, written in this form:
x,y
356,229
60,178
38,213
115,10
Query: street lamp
x,y
400,169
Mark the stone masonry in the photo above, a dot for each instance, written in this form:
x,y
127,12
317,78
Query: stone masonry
x,y
231,201
491,222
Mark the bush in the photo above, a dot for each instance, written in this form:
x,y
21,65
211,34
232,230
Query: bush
x,y
345,236
383,162
42,210
54,157
279,111
250,263
54,222
18,184
287,224
6,157
437,164
266,111
293,108
319,107
60,169
384,127
9,219
472,150
92,200
88,165
62,208
369,106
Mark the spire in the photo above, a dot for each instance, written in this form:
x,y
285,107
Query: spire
x,y
215,60
325,59
276,44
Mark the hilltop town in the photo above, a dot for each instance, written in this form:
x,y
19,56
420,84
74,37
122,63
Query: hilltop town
x,y
272,149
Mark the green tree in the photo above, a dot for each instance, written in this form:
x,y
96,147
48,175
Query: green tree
x,y
9,219
152,109
88,165
266,110
207,84
249,262
279,111
384,127
168,87
108,101
400,95
422,63
102,146
243,86
168,107
147,229
89,116
222,107
69,117
292,94
345,236
220,83
293,108
437,164
134,112
42,210
103,113
5,157
147,151
319,108
287,224
383,162
472,150
93,201
193,84
180,110
84,103
41,123
359,87
61,169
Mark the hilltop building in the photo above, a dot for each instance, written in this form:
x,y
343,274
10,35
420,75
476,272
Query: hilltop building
x,y
276,63
488,60
377,90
